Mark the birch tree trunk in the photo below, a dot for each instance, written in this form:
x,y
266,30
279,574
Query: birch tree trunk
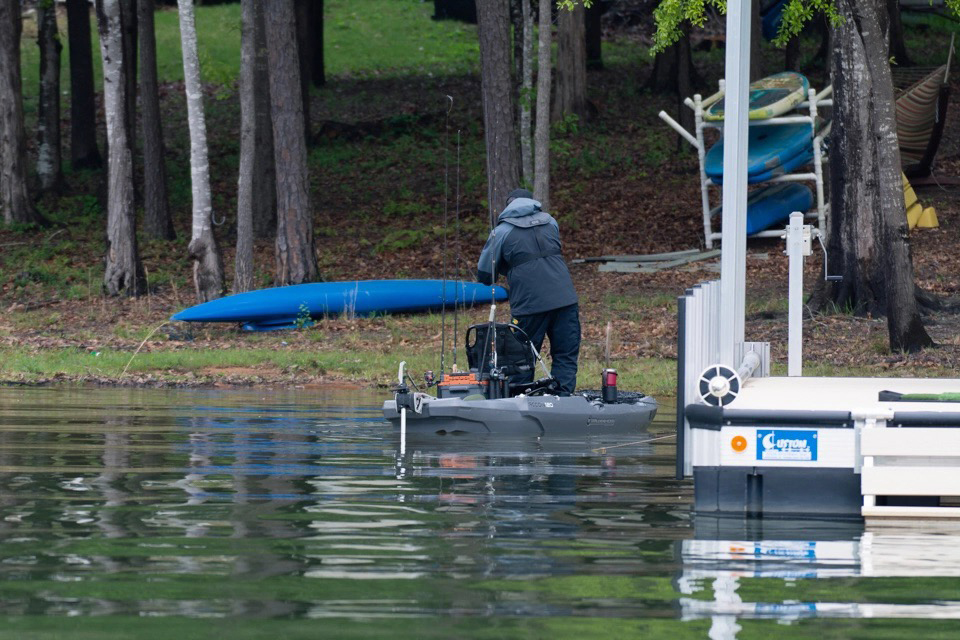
x,y
84,153
156,205
541,143
571,95
203,250
526,95
503,171
868,242
296,256
124,272
49,173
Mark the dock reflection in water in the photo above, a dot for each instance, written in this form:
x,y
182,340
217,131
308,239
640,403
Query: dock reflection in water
x,y
140,513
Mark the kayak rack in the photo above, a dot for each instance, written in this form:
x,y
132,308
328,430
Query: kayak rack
x,y
815,100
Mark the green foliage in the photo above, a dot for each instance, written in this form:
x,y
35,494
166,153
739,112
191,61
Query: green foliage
x,y
303,317
670,16
798,12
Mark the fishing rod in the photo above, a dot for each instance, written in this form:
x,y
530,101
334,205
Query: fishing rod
x,y
456,232
446,198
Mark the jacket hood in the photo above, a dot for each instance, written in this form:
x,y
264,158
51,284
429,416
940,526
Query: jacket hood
x,y
520,208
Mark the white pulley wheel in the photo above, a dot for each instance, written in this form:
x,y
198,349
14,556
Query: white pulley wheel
x,y
718,385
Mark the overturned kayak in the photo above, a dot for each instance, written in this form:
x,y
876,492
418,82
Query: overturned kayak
x,y
582,413
293,306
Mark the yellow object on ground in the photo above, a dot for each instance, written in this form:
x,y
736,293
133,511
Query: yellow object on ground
x,y
917,214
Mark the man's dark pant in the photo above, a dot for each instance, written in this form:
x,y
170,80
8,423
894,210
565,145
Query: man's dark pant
x,y
562,326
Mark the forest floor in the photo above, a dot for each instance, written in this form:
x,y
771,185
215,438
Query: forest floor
x,y
619,186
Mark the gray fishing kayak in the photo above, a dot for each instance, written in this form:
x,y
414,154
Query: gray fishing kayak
x,y
582,413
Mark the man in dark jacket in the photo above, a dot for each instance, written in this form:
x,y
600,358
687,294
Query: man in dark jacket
x,y
525,246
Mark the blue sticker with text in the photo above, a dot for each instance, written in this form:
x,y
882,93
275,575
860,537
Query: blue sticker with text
x,y
786,444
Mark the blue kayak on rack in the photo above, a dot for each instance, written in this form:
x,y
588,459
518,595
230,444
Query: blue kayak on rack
x,y
769,147
771,205
289,307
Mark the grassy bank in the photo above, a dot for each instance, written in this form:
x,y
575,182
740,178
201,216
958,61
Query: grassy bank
x,y
379,179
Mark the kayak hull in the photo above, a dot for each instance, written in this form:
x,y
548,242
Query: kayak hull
x,y
286,307
525,415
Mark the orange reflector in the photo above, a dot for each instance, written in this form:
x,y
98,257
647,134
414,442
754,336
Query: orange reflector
x,y
739,443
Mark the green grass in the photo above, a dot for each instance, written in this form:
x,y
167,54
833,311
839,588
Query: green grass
x,y
379,37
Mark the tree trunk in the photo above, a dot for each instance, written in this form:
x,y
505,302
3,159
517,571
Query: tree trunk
x,y
669,64
898,46
156,205
673,71
124,272
318,74
203,250
129,14
541,141
265,187
15,200
296,257
305,59
571,95
243,280
756,37
49,173
503,171
84,153
868,242
526,95
594,35
791,54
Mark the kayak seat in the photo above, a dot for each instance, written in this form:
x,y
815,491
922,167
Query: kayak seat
x,y
514,352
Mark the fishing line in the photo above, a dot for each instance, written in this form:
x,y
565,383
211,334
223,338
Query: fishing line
x,y
149,335
628,444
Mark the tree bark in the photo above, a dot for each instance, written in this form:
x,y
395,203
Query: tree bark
x,y
49,173
84,153
756,36
526,94
157,220
791,54
305,59
541,141
503,170
594,35
124,271
129,16
15,200
243,279
265,187
571,94
203,249
318,73
296,256
868,239
670,64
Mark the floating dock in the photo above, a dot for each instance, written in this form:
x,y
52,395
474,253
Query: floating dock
x,y
762,446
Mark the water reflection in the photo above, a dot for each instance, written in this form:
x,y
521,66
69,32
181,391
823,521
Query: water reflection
x,y
285,506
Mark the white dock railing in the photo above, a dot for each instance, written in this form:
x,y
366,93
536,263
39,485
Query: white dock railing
x,y
916,461
698,346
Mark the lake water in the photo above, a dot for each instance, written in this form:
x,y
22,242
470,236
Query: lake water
x,y
251,514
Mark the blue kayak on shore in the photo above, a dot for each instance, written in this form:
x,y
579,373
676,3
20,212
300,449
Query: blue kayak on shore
x,y
292,306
